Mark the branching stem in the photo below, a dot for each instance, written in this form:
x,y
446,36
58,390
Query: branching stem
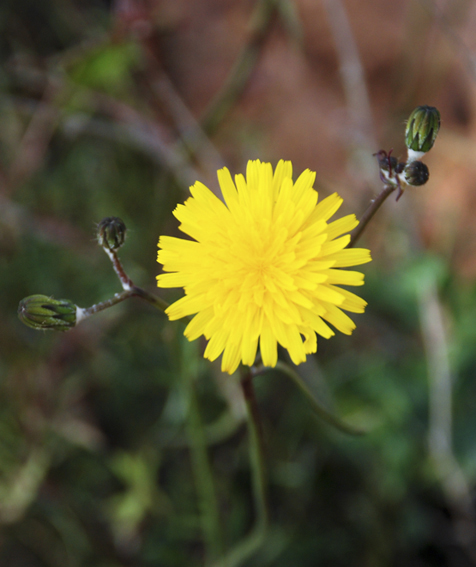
x,y
130,290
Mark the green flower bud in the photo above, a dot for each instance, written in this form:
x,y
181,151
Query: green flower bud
x,y
416,173
422,129
45,313
111,233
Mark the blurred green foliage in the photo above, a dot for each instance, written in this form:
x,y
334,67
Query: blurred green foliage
x,y
95,425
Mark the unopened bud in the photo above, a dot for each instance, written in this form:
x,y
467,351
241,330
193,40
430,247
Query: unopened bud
x,y
422,129
416,173
45,313
111,233
386,161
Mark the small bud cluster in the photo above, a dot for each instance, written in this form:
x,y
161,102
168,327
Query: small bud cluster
x,y
420,135
45,313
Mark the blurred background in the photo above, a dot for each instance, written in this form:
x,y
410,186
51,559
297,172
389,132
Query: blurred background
x,y
114,109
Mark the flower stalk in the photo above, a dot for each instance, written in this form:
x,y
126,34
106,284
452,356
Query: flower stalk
x,y
133,291
254,540
374,206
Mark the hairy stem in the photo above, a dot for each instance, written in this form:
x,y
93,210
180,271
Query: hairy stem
x,y
88,311
125,280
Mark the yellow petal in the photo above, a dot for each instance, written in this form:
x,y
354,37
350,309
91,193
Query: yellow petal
x,y
264,266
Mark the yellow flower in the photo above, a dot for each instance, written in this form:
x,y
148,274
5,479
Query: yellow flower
x,y
263,267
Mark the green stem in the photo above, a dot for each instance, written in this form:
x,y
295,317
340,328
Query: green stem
x,y
316,406
207,498
154,300
254,540
257,452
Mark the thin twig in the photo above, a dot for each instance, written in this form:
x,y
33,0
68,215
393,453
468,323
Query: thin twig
x,y
134,291
239,75
84,313
125,280
374,206
324,414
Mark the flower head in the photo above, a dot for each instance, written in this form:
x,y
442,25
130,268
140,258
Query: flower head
x,y
263,267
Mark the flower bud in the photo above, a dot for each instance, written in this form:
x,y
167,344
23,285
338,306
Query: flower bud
x,y
416,173
111,233
422,129
45,313
386,162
